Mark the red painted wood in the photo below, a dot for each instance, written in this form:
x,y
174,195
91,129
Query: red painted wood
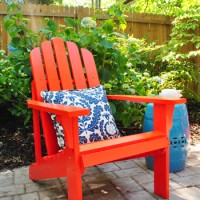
x,y
74,168
90,67
118,142
163,115
76,66
48,167
62,64
36,128
69,111
163,122
38,73
161,174
159,100
123,151
39,84
50,66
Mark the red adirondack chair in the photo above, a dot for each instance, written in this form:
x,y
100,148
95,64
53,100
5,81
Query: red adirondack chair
x,y
54,69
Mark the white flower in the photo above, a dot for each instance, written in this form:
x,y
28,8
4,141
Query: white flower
x,y
130,39
88,22
134,40
146,74
129,65
158,79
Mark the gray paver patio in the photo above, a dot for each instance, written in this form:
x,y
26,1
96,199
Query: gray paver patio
x,y
123,180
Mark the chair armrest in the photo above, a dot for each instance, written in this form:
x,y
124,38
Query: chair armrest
x,y
163,109
69,111
147,99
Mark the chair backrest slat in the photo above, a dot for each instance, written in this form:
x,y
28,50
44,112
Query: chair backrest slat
x,y
40,82
76,66
62,64
90,67
50,66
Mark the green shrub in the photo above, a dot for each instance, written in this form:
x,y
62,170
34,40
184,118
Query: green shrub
x,y
126,65
15,71
178,68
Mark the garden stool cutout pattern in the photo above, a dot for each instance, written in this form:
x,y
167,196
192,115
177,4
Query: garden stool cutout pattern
x,y
59,65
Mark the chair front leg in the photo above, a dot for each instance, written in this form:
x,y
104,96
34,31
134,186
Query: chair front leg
x,y
163,116
161,174
74,177
74,168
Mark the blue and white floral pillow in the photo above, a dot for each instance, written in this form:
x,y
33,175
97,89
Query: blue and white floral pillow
x,y
99,125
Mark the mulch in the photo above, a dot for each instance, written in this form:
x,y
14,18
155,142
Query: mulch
x,y
16,140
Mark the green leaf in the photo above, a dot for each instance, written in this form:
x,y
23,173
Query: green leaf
x,y
197,45
107,86
127,119
131,91
52,25
21,32
70,21
7,24
119,35
3,79
113,107
67,31
118,12
85,39
44,30
122,61
17,53
7,18
106,43
15,41
105,74
108,26
123,26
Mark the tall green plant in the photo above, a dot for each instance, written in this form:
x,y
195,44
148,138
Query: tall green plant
x,y
178,56
163,7
15,71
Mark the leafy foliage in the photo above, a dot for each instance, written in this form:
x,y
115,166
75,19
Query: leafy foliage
x,y
163,7
47,2
126,65
15,71
179,54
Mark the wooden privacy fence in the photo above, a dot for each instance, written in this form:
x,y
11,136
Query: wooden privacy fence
x,y
152,27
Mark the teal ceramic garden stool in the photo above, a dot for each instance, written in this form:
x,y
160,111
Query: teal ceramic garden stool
x,y
179,136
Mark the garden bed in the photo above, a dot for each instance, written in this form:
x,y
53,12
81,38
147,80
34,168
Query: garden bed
x,y
16,140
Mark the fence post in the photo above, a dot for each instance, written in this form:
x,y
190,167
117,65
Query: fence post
x,y
4,39
197,61
79,13
198,65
